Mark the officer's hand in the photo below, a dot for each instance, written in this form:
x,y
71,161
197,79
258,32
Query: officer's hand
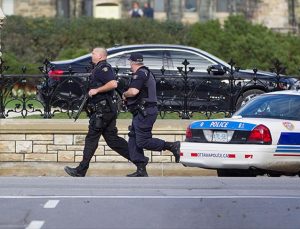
x,y
123,97
92,92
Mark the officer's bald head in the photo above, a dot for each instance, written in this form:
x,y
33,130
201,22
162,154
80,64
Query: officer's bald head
x,y
99,54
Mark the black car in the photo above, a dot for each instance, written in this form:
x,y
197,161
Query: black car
x,y
188,79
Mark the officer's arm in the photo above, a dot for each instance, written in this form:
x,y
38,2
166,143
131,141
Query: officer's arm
x,y
110,85
131,92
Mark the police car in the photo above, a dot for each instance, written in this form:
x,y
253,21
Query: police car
x,y
262,137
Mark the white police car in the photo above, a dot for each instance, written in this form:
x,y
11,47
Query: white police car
x,y
263,137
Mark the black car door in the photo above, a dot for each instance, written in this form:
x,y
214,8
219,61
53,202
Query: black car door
x,y
194,87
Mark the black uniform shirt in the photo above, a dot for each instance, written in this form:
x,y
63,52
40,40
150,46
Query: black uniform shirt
x,y
102,74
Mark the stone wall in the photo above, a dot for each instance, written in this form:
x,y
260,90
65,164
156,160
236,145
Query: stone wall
x,y
44,147
63,141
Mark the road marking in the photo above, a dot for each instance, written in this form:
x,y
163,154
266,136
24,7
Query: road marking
x,y
151,197
35,224
51,203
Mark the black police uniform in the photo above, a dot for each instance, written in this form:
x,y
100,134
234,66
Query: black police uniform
x,y
102,120
144,109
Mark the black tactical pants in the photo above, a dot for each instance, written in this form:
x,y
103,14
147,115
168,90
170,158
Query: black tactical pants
x,y
109,131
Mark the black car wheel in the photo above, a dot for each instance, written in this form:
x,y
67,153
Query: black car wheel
x,y
247,96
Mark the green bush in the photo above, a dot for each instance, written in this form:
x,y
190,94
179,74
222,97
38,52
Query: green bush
x,y
28,41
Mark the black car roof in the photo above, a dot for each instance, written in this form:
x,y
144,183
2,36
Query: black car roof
x,y
121,48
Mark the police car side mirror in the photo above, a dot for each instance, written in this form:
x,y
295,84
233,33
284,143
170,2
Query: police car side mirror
x,y
216,69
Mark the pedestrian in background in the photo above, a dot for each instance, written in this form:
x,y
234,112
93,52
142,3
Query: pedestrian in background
x,y
148,11
136,11
141,101
103,114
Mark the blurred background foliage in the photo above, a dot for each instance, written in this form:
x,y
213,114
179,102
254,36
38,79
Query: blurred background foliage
x,y
28,41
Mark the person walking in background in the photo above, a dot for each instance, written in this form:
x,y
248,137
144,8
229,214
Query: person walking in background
x,y
148,11
141,101
103,114
136,11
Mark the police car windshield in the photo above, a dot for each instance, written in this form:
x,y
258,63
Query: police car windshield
x,y
272,106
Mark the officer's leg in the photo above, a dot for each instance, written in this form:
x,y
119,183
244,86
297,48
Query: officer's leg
x,y
136,154
143,132
144,135
91,144
118,144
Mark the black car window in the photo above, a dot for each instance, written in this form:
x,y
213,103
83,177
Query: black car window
x,y
153,58
121,61
200,63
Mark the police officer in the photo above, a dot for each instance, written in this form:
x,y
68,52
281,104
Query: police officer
x,y
142,102
103,113
136,11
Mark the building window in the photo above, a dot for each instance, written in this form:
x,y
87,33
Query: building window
x,y
222,5
87,7
63,8
8,7
190,5
159,6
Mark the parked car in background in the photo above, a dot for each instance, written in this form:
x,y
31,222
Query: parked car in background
x,y
263,137
208,86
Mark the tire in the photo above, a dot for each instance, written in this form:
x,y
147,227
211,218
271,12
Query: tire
x,y
246,96
235,173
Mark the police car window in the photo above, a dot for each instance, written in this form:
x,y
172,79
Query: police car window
x,y
198,62
273,106
153,58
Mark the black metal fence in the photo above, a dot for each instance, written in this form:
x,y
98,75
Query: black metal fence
x,y
185,92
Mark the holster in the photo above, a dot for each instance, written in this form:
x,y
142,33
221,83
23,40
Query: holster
x,y
138,109
102,106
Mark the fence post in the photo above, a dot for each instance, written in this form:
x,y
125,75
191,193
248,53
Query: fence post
x,y
231,81
184,72
47,108
2,88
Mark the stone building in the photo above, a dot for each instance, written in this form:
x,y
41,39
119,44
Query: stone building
x,y
276,14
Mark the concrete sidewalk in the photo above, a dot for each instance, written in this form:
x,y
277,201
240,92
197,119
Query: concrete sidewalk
x,y
98,169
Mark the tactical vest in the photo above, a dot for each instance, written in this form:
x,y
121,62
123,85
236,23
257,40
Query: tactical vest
x,y
147,93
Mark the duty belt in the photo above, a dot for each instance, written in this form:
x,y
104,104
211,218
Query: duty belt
x,y
146,105
101,106
135,109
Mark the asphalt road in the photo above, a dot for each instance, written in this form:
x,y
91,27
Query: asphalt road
x,y
154,202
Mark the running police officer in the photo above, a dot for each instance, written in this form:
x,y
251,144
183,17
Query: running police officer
x,y
142,103
103,114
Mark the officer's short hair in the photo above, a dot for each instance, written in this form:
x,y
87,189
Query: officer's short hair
x,y
136,57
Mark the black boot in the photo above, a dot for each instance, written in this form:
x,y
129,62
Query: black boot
x,y
174,147
74,172
140,171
